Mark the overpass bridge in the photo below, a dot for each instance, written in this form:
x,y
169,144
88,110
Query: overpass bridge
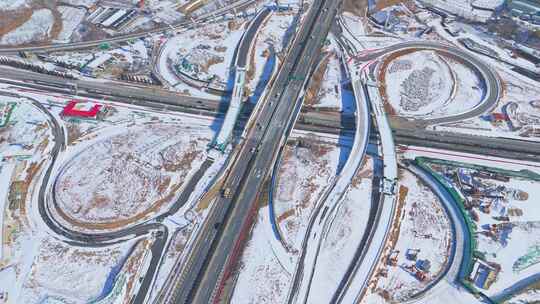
x,y
237,99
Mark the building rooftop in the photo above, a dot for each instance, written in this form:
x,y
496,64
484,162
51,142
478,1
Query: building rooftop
x,y
72,109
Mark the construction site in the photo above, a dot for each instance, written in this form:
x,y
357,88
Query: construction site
x,y
503,217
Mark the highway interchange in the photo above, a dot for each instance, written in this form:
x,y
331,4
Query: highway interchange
x,y
264,130
255,159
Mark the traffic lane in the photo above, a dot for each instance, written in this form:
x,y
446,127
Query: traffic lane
x,y
251,186
213,228
329,122
460,242
489,75
316,120
493,146
118,89
157,251
247,40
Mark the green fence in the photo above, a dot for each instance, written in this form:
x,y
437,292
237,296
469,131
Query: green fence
x,y
525,174
11,107
471,227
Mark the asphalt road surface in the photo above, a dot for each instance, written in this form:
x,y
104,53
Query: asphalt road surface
x,y
88,240
217,249
325,122
491,80
248,37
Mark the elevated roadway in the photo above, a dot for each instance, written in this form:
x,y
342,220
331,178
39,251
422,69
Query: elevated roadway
x,y
321,222
221,239
358,280
490,78
325,122
133,94
240,66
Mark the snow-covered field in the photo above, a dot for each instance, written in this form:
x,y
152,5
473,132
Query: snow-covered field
x,y
518,103
327,90
35,29
344,236
525,298
69,273
270,40
267,264
424,230
34,267
205,53
129,58
466,8
261,279
12,4
159,151
71,18
303,175
330,92
23,143
419,82
151,162
426,84
517,88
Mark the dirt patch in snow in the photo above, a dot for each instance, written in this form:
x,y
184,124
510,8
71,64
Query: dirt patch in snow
x,y
128,176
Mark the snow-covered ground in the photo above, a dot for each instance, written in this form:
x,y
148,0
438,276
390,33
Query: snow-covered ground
x,y
525,298
428,84
26,143
343,237
267,264
23,143
261,279
517,89
518,102
130,58
12,4
68,273
205,52
160,151
330,92
270,41
358,31
71,18
6,170
425,230
303,175
507,217
34,267
327,87
35,29
151,162
466,8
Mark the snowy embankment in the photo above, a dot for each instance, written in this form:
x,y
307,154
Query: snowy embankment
x,y
71,18
37,28
6,170
7,5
